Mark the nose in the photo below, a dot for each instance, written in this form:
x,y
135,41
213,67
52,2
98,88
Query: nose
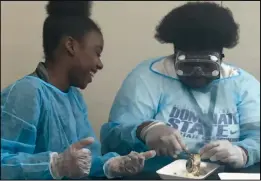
x,y
99,65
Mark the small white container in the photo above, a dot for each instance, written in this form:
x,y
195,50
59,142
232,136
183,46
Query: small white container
x,y
239,176
177,170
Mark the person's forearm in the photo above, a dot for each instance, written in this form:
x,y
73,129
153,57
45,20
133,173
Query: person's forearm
x,y
22,166
121,139
141,127
245,154
251,148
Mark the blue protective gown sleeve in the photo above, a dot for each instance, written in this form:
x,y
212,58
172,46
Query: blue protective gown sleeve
x,y
249,117
97,169
20,118
20,114
127,113
98,160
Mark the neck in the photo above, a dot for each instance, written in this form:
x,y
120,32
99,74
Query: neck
x,y
58,75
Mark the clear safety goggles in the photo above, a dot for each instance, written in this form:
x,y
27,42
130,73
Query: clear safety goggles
x,y
198,64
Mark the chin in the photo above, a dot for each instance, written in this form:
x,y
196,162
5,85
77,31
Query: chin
x,y
83,86
198,85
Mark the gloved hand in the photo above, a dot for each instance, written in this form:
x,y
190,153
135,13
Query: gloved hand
x,y
74,162
225,152
165,140
127,165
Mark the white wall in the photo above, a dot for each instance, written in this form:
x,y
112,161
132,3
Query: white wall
x,y
247,53
128,29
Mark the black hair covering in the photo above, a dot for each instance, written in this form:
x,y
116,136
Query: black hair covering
x,y
199,26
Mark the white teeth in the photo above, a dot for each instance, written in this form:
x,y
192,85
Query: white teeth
x,y
92,74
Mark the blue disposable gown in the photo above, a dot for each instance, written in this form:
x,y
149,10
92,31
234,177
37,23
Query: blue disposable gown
x,y
153,92
36,119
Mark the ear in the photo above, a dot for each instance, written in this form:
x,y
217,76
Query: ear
x,y
70,45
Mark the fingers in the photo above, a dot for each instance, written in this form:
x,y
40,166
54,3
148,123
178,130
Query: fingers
x,y
182,145
84,165
83,143
172,145
148,154
210,153
166,147
141,159
220,155
178,146
170,152
83,161
83,153
227,159
158,152
136,162
172,148
208,147
135,158
233,161
162,152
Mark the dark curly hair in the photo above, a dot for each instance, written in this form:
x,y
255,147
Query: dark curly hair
x,y
199,26
66,18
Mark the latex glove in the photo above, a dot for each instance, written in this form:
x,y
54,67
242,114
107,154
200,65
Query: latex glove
x,y
127,165
165,140
225,152
74,162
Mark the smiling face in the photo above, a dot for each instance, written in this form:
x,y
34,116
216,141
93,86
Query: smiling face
x,y
86,61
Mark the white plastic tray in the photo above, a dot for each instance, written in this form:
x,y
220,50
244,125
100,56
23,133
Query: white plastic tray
x,y
177,170
239,176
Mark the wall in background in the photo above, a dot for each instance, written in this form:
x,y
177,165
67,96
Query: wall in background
x,y
128,29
